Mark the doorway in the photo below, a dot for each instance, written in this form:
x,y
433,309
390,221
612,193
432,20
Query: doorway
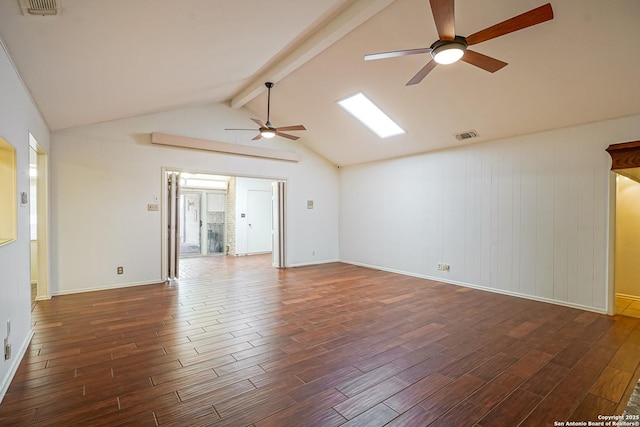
x,y
212,215
627,248
190,221
624,229
33,221
202,220
39,221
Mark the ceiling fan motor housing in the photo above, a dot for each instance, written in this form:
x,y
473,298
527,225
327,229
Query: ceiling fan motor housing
x,y
439,47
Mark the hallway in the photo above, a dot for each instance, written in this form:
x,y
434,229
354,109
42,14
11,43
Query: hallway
x,y
218,267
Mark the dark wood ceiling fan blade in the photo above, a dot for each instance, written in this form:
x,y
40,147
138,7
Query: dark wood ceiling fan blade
x,y
287,128
482,61
258,136
422,73
259,123
522,21
395,53
286,135
444,16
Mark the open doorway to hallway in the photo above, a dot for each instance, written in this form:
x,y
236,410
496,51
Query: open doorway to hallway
x,y
33,221
212,215
39,221
627,248
224,267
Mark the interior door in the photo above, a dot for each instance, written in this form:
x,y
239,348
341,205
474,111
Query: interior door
x,y
258,221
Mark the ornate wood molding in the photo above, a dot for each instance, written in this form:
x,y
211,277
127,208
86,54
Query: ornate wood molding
x,y
624,155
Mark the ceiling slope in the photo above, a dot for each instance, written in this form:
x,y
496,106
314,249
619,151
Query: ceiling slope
x,y
99,61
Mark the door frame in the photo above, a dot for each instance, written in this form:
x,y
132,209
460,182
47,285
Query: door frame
x,y
164,241
42,213
624,155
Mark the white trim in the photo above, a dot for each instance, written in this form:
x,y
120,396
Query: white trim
x,y
16,365
306,264
483,288
107,287
626,296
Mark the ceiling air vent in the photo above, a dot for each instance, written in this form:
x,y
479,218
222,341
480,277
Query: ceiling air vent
x,y
39,7
467,135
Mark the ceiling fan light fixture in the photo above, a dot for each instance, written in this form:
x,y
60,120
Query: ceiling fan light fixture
x,y
447,52
267,133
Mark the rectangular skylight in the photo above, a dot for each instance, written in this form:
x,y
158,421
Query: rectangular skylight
x,y
371,116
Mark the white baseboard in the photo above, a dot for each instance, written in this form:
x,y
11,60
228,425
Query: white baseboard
x,y
14,367
484,288
106,287
306,264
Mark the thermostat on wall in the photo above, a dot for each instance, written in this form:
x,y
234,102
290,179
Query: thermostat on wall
x,y
309,204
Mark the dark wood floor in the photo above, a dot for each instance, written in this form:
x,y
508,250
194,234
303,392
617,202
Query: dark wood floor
x,y
241,343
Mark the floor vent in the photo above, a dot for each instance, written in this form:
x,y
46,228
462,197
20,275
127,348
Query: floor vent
x,y
467,135
39,7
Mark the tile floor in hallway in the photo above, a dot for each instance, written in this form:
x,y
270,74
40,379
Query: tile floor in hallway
x,y
628,307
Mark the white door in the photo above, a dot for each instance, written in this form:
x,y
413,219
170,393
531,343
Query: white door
x,y
258,221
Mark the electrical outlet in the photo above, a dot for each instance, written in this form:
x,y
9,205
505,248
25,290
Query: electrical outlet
x,y
120,270
443,267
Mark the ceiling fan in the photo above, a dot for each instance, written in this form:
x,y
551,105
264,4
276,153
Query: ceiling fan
x,y
451,47
266,130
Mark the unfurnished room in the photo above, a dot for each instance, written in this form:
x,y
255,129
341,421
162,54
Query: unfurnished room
x,y
319,213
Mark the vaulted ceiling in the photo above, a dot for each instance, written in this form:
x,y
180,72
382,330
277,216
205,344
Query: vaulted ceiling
x,y
103,60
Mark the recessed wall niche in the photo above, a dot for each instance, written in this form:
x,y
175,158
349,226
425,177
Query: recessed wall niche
x,y
8,193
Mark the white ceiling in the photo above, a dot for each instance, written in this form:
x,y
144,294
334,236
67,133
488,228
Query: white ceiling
x,y
103,60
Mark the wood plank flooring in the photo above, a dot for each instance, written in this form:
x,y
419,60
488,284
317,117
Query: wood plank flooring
x,y
239,343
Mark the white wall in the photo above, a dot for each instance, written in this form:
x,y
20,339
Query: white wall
x,y
103,177
527,215
18,117
627,237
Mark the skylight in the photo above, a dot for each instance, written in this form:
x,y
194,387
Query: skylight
x,y
371,116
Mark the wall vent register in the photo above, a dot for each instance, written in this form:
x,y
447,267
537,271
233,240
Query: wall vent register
x,y
39,7
466,135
